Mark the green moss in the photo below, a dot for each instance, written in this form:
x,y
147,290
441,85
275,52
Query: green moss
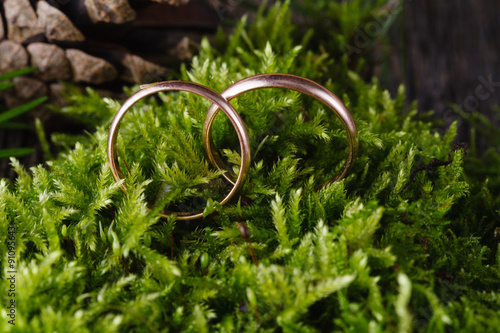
x,y
405,243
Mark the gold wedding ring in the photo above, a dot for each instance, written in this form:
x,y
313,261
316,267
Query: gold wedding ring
x,y
221,101
201,91
297,83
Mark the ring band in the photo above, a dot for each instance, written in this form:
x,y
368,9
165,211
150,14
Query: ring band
x,y
200,90
278,80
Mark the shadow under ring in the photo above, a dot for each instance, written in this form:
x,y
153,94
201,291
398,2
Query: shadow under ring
x,y
287,81
199,90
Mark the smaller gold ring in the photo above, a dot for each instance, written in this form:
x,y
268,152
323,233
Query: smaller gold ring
x,y
293,82
201,91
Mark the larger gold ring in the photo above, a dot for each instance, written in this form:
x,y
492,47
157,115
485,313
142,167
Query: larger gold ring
x,y
201,91
278,80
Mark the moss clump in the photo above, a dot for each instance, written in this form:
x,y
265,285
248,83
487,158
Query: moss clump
x,y
388,249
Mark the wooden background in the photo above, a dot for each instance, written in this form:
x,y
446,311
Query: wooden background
x,y
452,48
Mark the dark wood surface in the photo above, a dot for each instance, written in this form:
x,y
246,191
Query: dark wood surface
x,y
452,49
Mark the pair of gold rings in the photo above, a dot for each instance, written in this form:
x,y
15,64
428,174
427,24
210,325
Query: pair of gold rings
x,y
221,101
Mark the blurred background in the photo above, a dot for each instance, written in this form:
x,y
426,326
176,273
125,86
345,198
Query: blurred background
x,y
445,53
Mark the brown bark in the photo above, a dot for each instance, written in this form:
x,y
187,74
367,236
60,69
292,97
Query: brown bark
x,y
50,60
29,88
90,69
2,32
138,70
57,27
22,23
13,56
109,11
185,49
25,89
